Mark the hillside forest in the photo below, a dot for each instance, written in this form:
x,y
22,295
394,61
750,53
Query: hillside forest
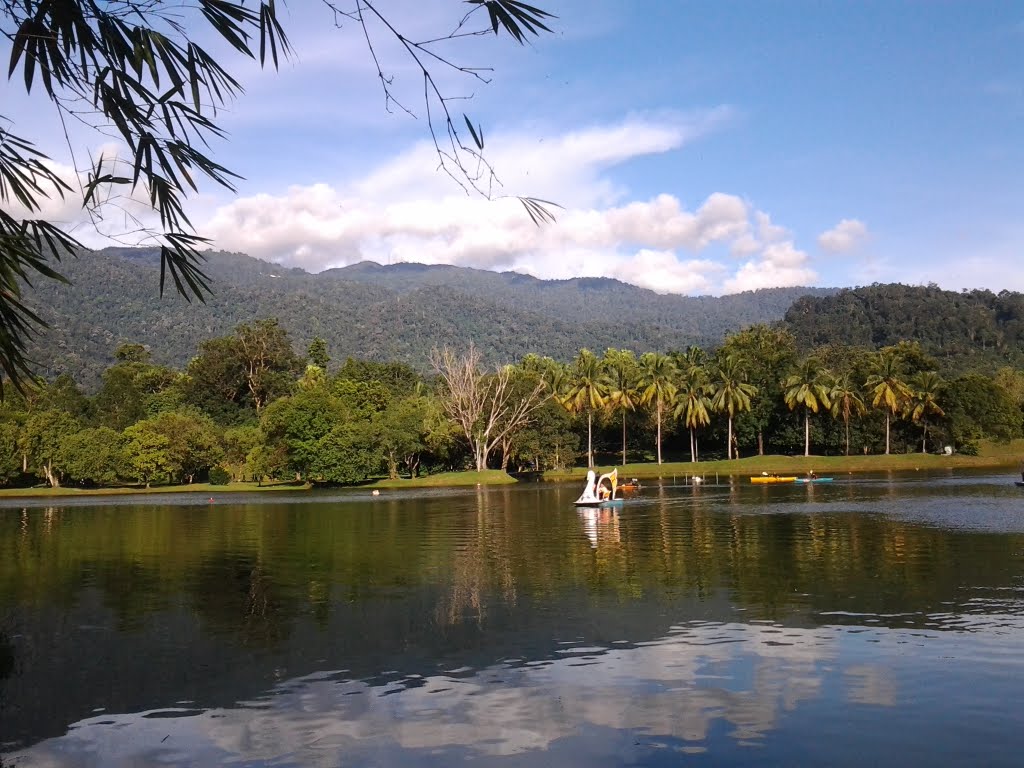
x,y
248,406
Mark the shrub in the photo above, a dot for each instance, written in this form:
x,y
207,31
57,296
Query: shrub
x,y
219,476
968,448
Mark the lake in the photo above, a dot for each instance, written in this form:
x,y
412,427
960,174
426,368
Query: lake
x,y
875,620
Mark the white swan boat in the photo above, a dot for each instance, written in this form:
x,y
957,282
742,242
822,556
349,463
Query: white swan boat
x,y
600,491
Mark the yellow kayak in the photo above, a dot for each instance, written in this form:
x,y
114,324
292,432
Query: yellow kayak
x,y
773,479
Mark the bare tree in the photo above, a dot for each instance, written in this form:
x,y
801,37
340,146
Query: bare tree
x,y
484,405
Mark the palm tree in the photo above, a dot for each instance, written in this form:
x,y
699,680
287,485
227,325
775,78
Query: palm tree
x,y
732,392
657,372
846,402
586,392
620,368
886,387
693,403
925,389
807,386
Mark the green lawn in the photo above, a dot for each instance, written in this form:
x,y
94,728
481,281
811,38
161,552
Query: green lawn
x,y
992,455
449,479
123,490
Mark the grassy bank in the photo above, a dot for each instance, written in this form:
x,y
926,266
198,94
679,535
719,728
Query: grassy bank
x,y
1006,456
441,480
205,488
449,480
994,456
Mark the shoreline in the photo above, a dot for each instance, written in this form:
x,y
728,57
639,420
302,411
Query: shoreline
x,y
750,466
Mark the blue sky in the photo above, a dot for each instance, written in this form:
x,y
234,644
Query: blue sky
x,y
696,147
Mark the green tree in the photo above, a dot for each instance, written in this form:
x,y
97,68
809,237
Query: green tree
x,y
621,374
269,364
346,454
732,393
693,402
43,438
295,427
549,441
147,453
174,445
95,456
140,71
10,454
586,392
808,386
239,442
657,385
886,386
976,407
134,389
234,377
400,433
215,383
132,353
925,390
767,355
846,401
317,353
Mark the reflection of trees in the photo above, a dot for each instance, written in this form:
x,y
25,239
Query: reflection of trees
x,y
250,571
482,563
236,596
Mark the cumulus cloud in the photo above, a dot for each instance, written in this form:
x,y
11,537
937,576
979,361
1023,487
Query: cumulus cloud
x,y
403,211
780,264
844,236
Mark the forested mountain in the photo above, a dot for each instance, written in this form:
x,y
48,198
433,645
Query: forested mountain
x,y
384,313
969,330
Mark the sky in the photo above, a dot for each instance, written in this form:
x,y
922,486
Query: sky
x,y
693,147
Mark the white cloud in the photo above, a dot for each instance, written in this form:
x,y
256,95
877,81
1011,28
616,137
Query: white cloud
x,y
662,272
844,236
780,264
406,211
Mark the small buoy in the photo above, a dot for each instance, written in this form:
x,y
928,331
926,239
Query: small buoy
x,y
211,499
376,492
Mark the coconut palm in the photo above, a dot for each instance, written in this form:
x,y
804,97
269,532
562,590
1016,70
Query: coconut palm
x,y
886,387
693,402
621,373
807,386
586,393
846,402
732,393
925,389
657,385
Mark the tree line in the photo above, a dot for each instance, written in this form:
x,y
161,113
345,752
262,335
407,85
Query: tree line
x,y
247,406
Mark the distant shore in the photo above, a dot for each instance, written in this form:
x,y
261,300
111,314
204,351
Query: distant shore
x,y
993,456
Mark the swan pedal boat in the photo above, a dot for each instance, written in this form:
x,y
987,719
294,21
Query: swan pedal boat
x,y
600,491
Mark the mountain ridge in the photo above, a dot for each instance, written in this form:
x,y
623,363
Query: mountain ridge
x,y
379,312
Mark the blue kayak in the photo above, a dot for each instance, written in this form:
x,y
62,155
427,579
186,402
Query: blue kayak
x,y
814,480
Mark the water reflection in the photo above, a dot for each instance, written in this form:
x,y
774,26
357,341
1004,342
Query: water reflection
x,y
700,688
600,524
499,624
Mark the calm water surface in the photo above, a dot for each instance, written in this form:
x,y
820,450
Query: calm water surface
x,y
874,620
